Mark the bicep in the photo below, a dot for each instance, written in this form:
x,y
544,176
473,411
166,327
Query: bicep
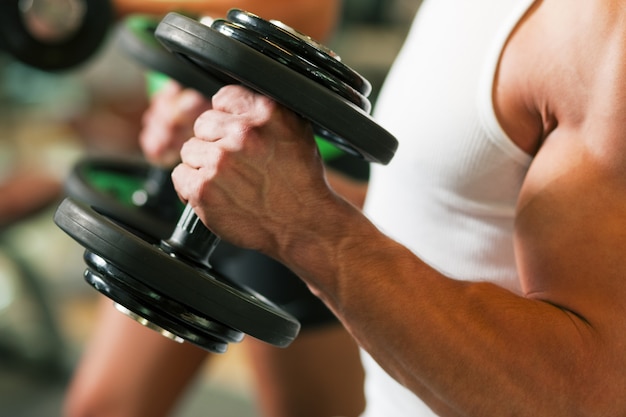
x,y
571,230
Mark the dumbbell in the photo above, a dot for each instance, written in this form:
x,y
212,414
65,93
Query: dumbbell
x,y
137,195
169,284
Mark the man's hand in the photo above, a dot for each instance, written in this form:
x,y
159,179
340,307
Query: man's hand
x,y
252,172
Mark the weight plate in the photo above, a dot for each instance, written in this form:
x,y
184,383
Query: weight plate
x,y
109,184
303,46
159,311
63,53
295,62
199,289
335,118
136,37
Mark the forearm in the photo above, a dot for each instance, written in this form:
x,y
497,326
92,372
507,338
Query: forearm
x,y
316,18
462,346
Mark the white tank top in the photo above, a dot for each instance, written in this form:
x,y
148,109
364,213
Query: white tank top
x,y
450,192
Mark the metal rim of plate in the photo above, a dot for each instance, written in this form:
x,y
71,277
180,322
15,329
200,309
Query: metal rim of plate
x,y
293,61
156,311
303,46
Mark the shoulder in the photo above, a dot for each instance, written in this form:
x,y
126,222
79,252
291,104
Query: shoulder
x,y
564,63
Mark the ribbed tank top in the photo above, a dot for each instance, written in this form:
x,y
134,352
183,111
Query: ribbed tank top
x,y
450,192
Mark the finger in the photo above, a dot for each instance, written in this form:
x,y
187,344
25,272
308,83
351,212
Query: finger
x,y
187,106
175,105
197,153
160,144
182,176
236,99
162,156
168,123
169,89
189,182
213,125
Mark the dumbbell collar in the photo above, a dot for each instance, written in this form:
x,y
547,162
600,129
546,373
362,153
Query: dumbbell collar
x,y
191,239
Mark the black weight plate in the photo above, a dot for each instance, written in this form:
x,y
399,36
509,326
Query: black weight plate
x,y
295,62
80,186
303,46
200,290
136,38
63,54
335,118
157,308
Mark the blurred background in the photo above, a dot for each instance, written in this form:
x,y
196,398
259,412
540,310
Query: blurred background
x,y
47,122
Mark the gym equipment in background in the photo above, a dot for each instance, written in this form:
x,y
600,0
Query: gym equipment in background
x,y
54,35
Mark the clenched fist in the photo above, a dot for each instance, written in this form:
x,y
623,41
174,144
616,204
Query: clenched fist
x,y
252,171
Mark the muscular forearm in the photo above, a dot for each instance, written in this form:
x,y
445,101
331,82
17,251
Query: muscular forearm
x,y
316,18
473,347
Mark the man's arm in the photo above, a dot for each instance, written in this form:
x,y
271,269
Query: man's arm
x,y
476,349
465,348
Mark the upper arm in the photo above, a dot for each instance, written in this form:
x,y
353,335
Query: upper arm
x,y
571,229
571,220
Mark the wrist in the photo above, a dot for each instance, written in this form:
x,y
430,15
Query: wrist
x,y
324,243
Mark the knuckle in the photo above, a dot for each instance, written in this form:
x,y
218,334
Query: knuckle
x,y
224,94
201,122
266,107
220,162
